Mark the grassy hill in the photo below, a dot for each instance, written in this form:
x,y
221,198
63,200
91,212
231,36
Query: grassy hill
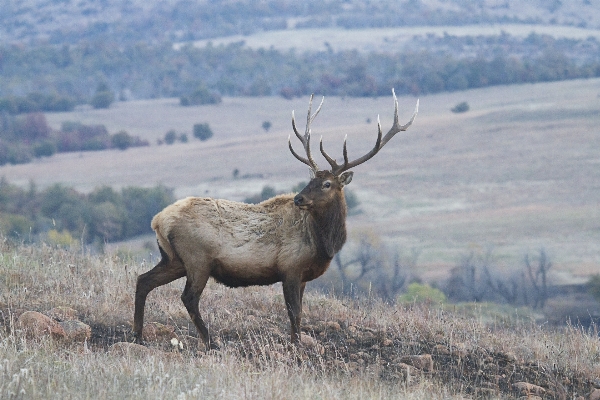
x,y
351,349
515,173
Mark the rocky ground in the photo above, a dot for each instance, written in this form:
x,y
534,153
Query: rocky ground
x,y
332,347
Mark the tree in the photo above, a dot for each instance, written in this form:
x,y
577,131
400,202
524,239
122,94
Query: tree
x,y
266,125
460,107
170,137
200,96
121,140
103,97
202,131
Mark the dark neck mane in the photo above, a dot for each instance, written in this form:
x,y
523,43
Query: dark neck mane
x,y
329,227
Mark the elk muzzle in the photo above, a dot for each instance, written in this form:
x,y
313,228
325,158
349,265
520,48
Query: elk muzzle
x,y
301,201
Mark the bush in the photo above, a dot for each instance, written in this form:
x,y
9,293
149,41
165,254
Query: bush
x,y
594,286
460,107
422,293
15,226
266,193
121,140
103,97
44,149
200,96
170,137
202,131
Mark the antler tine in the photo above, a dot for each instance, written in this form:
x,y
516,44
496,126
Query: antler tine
x,y
306,138
337,169
396,127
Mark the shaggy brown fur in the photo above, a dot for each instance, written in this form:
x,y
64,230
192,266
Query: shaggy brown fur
x,y
288,239
245,244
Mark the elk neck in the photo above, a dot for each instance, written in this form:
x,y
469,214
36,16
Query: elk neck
x,y
329,227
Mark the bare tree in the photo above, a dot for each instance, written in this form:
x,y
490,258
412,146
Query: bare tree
x,y
538,278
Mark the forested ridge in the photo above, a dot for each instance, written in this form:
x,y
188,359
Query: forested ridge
x,y
427,65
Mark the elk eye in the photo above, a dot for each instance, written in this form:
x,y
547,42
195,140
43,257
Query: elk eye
x,y
327,185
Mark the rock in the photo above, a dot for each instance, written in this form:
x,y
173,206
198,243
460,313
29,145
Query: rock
x,y
387,342
311,343
441,349
334,326
76,331
528,389
307,340
130,349
594,395
155,331
423,362
36,325
530,397
62,313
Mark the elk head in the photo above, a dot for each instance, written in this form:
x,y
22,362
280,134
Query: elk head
x,y
326,185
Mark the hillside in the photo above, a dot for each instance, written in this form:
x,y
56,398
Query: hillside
x,y
516,173
351,349
158,21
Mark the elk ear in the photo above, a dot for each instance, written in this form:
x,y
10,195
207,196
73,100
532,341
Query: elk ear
x,y
311,173
345,178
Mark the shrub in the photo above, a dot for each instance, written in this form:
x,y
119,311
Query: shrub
x,y
422,293
121,140
103,97
460,107
60,239
266,193
200,96
202,131
170,137
15,226
594,286
266,125
44,149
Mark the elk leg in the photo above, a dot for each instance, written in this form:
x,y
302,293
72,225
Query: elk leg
x,y
292,294
163,273
190,298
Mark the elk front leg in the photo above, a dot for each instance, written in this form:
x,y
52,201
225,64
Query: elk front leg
x,y
293,290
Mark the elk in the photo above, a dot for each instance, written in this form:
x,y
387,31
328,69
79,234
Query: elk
x,y
288,238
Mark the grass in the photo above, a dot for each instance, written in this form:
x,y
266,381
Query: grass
x,y
358,347
382,39
516,173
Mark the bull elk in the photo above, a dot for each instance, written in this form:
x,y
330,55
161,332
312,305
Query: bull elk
x,y
288,238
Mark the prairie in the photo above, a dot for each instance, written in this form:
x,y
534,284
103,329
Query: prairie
x,y
384,39
517,172
351,349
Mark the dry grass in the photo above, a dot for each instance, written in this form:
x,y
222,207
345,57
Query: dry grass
x,y
517,172
359,359
384,39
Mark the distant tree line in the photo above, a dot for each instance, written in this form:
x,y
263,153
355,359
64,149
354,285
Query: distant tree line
x,y
104,215
25,137
202,75
184,20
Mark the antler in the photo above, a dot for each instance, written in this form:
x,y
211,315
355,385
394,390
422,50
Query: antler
x,y
310,161
337,169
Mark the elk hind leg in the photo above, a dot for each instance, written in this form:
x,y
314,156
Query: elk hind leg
x,y
164,272
190,298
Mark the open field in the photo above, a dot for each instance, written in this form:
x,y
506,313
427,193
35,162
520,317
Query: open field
x,y
351,349
385,39
519,171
